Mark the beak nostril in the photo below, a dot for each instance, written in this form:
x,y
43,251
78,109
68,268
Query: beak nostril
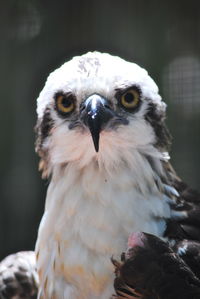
x,y
107,106
82,107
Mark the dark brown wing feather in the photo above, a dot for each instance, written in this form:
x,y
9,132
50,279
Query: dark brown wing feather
x,y
186,225
153,270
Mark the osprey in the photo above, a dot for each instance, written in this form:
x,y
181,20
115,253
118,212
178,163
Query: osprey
x,y
103,144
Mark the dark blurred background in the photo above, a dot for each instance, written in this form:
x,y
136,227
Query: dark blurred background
x,y
38,36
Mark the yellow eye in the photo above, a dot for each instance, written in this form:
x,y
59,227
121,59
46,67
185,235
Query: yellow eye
x,y
65,104
130,99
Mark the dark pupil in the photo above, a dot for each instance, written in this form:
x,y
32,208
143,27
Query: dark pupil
x,y
66,102
129,97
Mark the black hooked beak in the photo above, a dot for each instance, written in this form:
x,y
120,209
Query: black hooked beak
x,y
96,113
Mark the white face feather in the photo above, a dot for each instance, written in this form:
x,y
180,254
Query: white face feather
x,y
97,73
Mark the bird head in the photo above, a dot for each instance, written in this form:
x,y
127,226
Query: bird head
x,y
100,108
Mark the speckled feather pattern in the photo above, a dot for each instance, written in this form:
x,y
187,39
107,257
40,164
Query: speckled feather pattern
x,y
18,276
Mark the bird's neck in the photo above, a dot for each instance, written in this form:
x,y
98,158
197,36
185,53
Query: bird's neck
x,y
94,187
89,215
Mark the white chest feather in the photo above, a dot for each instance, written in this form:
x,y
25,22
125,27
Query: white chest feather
x,y
88,218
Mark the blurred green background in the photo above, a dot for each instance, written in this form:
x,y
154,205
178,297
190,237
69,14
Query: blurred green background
x,y
38,36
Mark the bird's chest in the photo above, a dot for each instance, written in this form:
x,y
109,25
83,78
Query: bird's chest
x,y
90,223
